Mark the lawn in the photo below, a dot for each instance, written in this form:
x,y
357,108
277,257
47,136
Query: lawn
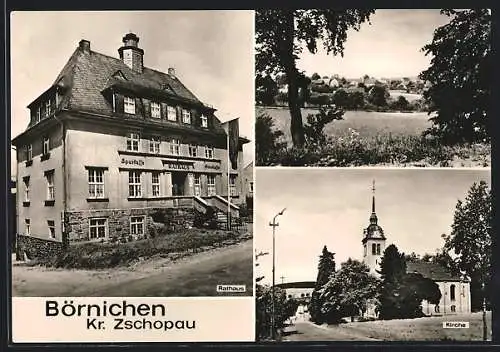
x,y
421,329
376,139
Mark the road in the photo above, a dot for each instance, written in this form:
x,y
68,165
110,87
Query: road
x,y
196,275
307,331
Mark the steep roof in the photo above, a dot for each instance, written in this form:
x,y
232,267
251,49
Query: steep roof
x,y
432,271
87,74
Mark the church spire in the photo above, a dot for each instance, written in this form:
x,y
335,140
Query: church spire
x,y
373,217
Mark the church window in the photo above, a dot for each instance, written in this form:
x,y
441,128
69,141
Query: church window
x,y
374,249
378,249
452,292
436,308
453,308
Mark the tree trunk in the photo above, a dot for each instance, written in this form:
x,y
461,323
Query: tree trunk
x,y
485,326
288,60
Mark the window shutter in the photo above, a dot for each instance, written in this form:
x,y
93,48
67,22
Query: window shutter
x,y
179,113
147,107
52,105
195,118
139,108
163,111
33,116
119,103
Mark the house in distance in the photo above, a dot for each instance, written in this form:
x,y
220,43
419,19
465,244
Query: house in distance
x,y
109,143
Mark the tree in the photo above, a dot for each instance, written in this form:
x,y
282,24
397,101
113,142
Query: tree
x,y
280,35
470,242
263,306
460,77
401,293
265,90
268,139
348,291
401,104
341,98
378,95
315,76
326,267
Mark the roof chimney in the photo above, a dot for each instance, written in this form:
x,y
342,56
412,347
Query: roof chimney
x,y
84,46
171,72
130,52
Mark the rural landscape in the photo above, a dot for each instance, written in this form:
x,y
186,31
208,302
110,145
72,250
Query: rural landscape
x,y
417,272
308,116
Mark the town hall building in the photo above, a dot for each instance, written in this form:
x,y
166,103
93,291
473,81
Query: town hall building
x,y
112,141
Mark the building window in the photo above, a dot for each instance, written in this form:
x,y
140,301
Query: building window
x,y
134,184
374,249
197,185
38,114
453,308
155,110
97,228
129,105
26,181
250,187
175,147
171,113
232,186
133,141
137,225
193,150
452,292
27,227
209,152
211,185
96,183
204,121
186,116
52,228
46,145
378,248
50,185
154,145
155,183
47,108
29,152
436,308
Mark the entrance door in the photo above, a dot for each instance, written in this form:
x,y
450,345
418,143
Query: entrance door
x,y
178,182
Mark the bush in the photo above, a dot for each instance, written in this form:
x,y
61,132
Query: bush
x,y
268,141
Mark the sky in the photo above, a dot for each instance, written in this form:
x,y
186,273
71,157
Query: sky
x,y
389,47
332,207
211,51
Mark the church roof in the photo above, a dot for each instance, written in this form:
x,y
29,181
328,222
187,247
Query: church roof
x,y
432,271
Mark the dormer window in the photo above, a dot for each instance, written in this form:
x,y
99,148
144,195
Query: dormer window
x,y
129,105
37,115
204,121
171,113
155,110
47,108
186,116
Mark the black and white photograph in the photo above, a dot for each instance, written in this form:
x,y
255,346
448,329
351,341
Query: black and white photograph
x,y
378,87
373,254
132,153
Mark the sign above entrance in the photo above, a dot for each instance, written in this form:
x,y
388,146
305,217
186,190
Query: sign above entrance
x,y
178,165
212,166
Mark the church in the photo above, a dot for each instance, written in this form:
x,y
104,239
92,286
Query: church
x,y
455,291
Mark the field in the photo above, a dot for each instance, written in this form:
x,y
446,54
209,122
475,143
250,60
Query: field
x,y
378,139
421,329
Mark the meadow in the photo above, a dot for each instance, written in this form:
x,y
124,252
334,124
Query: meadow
x,y
375,138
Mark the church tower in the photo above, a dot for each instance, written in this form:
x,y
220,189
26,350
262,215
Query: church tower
x,y
373,241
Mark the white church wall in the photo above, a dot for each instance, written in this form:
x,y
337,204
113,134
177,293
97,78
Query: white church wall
x,y
447,305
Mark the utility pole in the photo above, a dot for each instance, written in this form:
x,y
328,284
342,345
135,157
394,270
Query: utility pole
x,y
282,279
274,224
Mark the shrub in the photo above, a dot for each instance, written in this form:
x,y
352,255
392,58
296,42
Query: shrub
x,y
268,141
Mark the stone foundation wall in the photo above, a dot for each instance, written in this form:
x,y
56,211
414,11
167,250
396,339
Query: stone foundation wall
x,y
36,247
77,222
